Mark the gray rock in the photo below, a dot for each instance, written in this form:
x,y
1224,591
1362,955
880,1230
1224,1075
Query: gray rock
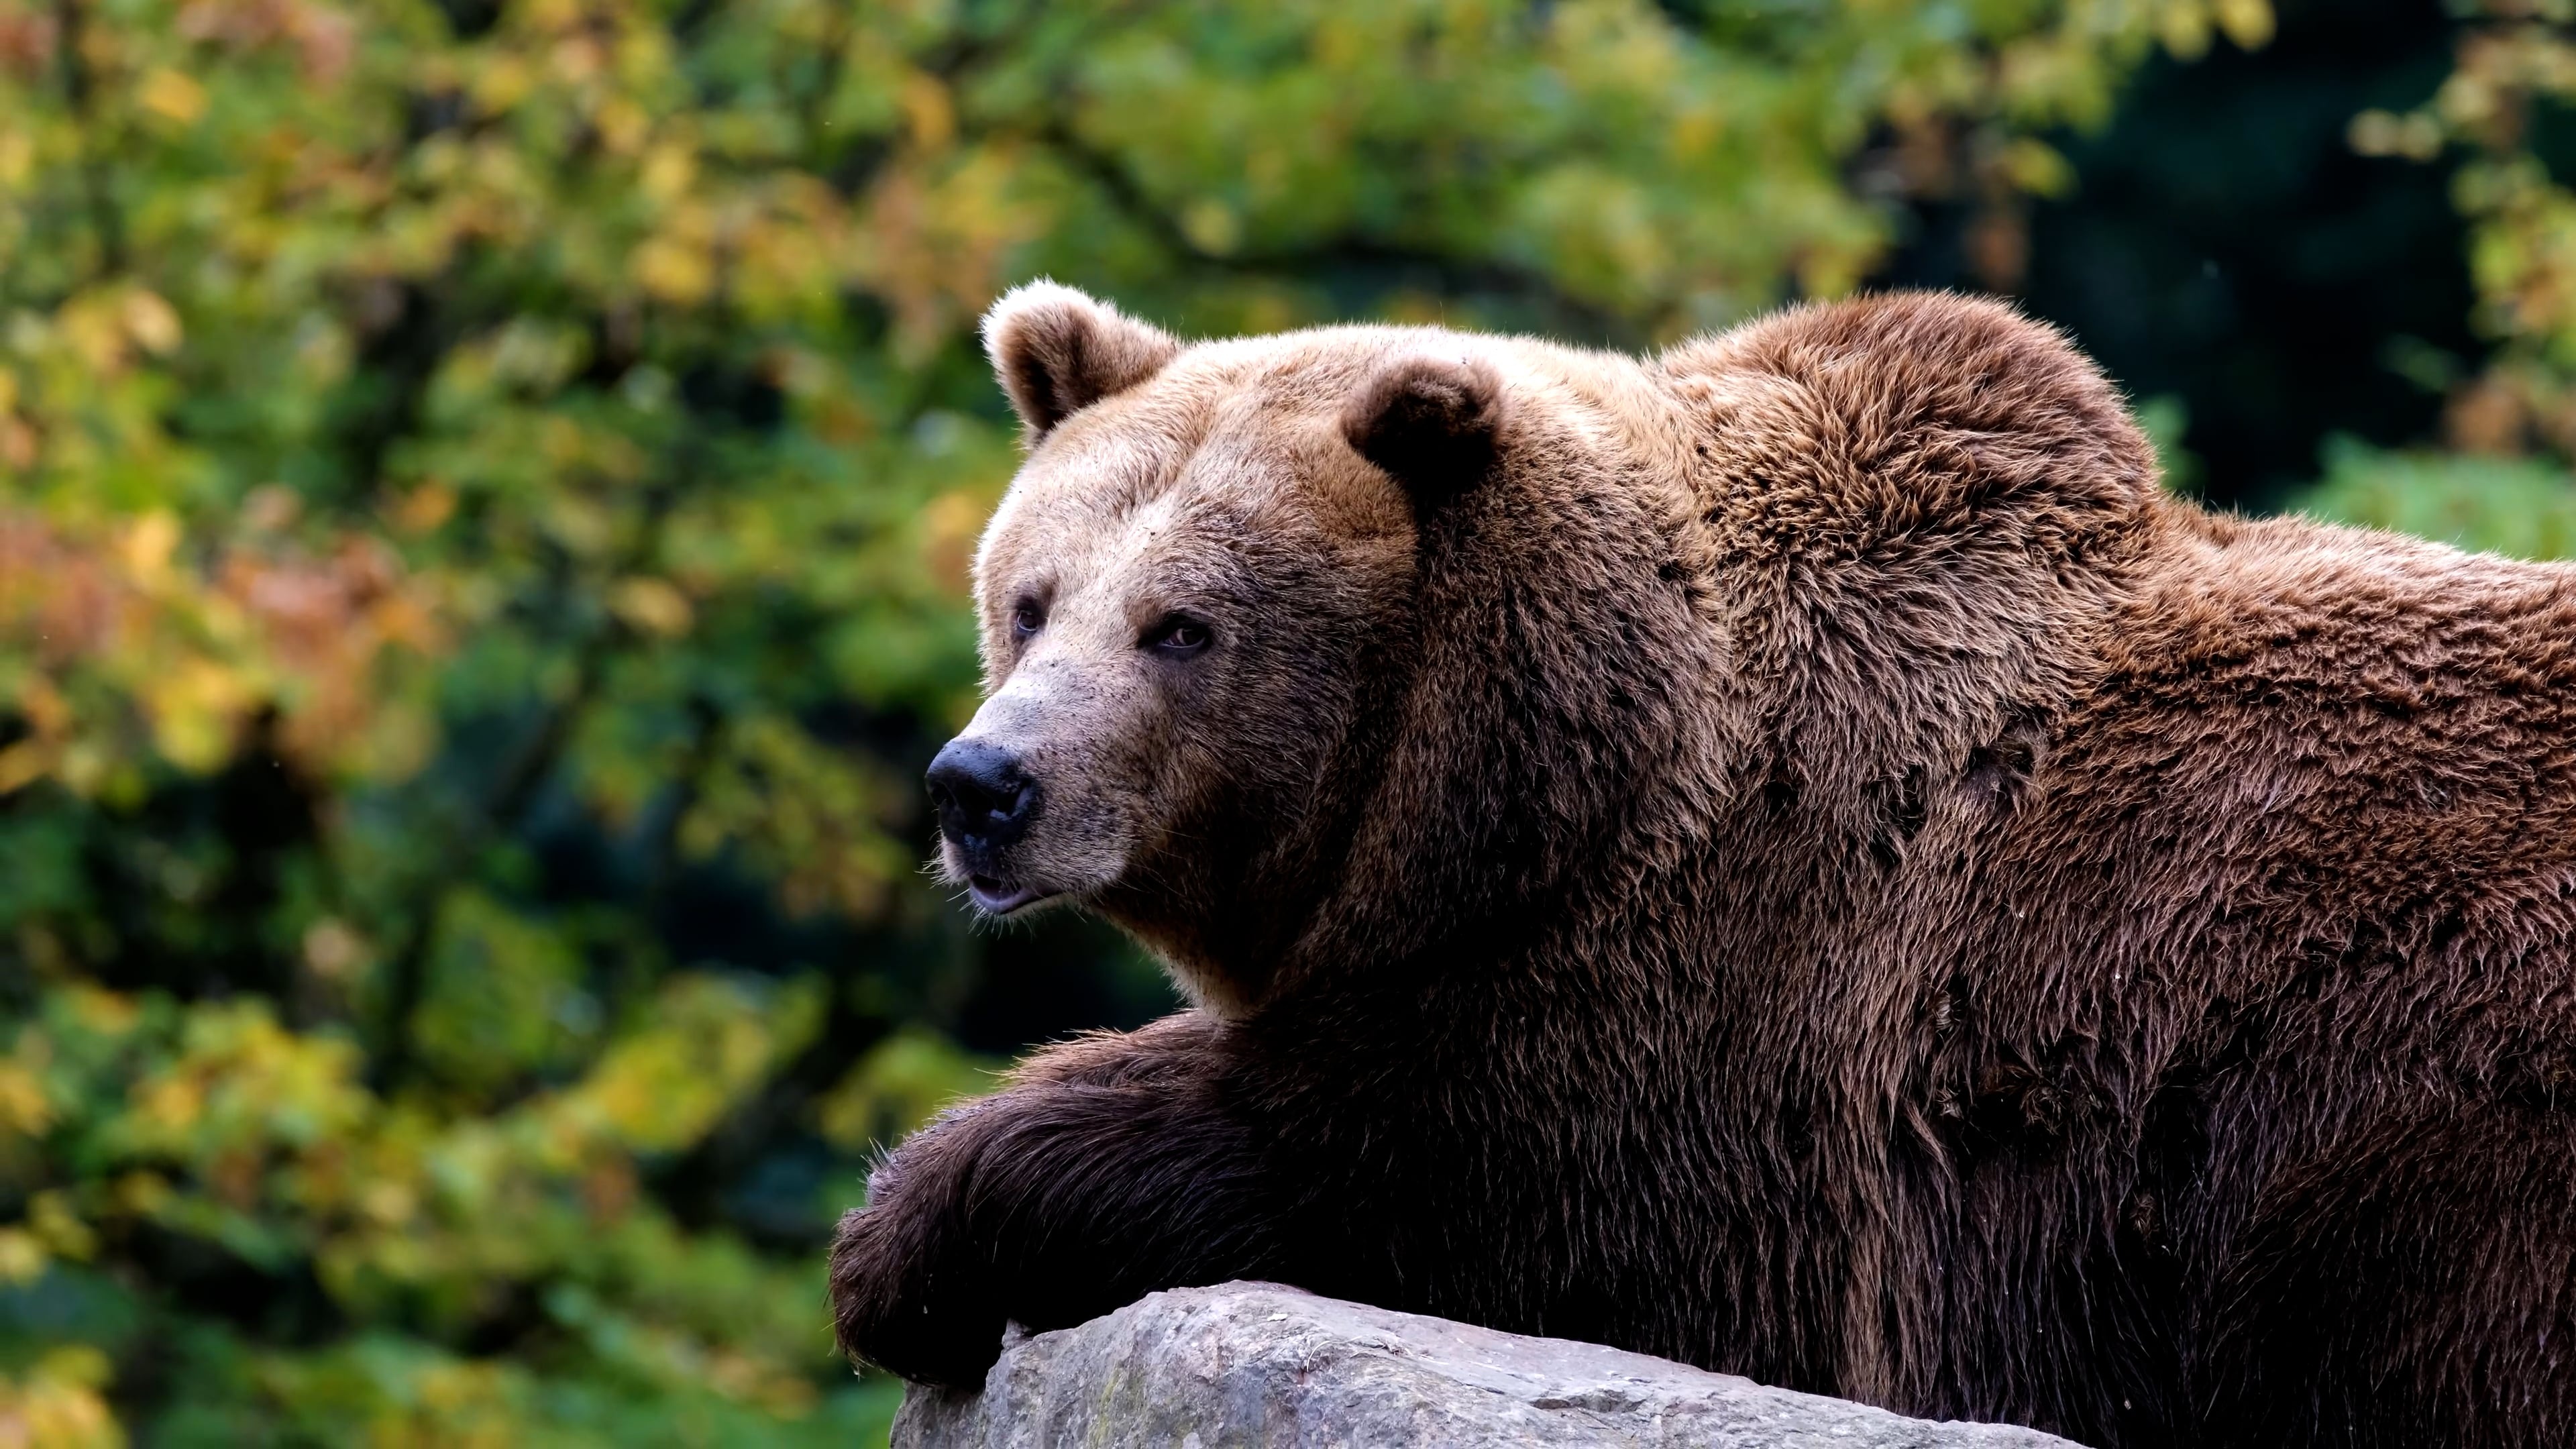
x,y
1258,1364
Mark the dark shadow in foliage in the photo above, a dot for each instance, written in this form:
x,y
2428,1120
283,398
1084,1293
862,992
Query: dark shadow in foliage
x,y
2224,244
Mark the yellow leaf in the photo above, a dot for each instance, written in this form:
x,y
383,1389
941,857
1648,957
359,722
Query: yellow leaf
x,y
2036,167
23,1107
95,335
195,707
22,1258
168,93
949,526
60,1229
149,543
143,1194
108,1013
673,271
332,949
24,763
926,106
2247,22
2184,28
171,1104
501,83
424,508
2417,137
1212,225
151,322
44,705
389,1203
58,1404
76,1363
668,170
653,606
622,125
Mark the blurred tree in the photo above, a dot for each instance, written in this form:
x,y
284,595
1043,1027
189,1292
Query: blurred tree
x,y
2507,114
2519,506
2506,107
487,498
2225,246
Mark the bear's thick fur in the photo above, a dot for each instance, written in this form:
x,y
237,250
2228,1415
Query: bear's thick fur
x,y
1792,855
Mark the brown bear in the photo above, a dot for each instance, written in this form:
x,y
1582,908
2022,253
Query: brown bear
x,y
1792,855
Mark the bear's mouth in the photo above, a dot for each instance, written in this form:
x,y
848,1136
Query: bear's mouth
x,y
996,899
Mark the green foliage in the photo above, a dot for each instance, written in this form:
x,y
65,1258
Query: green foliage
x,y
2513,74
2524,507
2512,77
2165,419
485,500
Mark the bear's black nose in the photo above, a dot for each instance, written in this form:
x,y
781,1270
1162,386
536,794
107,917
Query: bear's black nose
x,y
983,797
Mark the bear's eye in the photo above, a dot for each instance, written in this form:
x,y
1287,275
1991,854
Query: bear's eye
x,y
1177,635
1026,619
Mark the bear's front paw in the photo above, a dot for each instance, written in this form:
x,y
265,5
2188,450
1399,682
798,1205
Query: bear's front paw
x,y
894,1307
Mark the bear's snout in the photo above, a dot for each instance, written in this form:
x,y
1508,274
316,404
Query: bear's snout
x,y
983,797
985,801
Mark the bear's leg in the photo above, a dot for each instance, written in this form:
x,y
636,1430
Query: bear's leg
x,y
1109,1169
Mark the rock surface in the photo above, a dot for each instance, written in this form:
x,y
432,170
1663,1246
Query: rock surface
x,y
1258,1364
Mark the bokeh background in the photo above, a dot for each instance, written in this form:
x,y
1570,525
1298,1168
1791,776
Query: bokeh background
x,y
486,489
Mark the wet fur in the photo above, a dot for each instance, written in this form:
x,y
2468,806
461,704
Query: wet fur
x,y
1826,874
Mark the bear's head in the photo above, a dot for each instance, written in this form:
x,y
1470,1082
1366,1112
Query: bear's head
x,y
1368,648
1201,607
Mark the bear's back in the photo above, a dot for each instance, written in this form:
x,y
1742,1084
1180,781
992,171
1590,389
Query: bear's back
x,y
2342,726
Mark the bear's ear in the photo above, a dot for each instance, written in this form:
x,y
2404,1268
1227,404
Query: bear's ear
x,y
1432,423
1057,351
